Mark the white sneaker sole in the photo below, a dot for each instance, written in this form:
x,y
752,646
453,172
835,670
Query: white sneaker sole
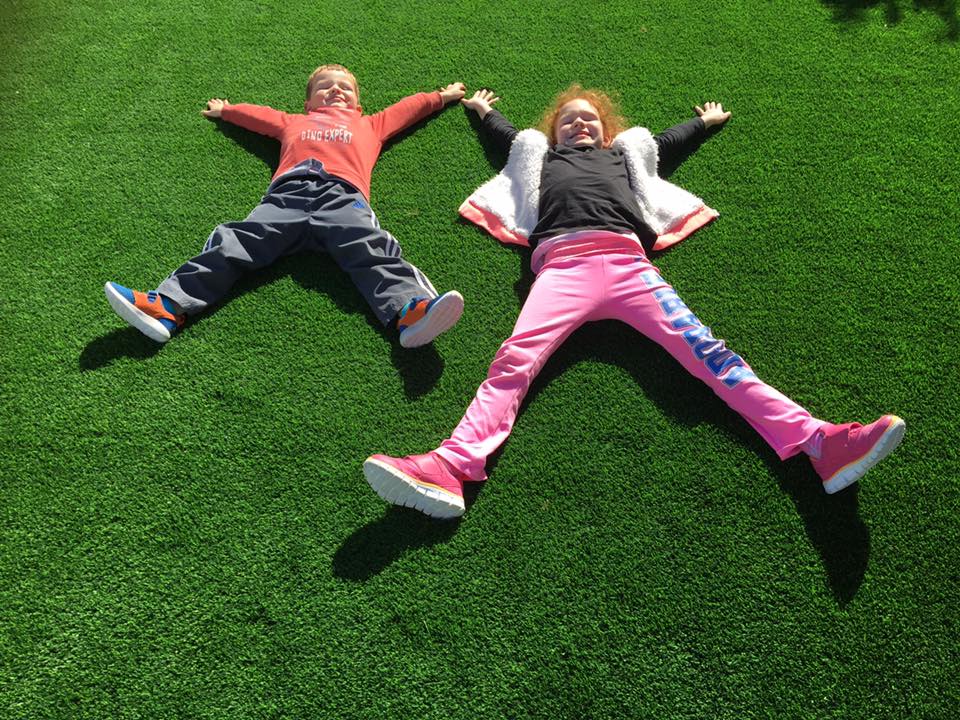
x,y
854,471
151,327
398,488
442,316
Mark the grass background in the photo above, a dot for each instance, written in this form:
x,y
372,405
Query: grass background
x,y
185,530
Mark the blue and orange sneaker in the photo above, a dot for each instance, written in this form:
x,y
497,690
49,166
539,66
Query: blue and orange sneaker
x,y
841,454
424,482
150,313
422,319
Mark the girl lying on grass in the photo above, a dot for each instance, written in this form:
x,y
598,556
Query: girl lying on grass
x,y
589,199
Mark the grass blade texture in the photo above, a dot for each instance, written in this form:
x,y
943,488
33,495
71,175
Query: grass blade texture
x,y
185,531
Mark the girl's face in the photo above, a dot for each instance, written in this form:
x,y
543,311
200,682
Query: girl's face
x,y
578,125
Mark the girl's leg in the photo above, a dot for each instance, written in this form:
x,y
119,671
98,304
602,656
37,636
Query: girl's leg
x,y
565,295
638,296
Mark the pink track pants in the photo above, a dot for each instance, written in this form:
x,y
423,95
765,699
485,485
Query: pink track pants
x,y
570,291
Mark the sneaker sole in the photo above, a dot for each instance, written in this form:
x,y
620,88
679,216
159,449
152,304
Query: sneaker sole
x,y
885,445
135,317
442,316
398,488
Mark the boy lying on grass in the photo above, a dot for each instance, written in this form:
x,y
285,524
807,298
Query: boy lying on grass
x,y
589,199
318,200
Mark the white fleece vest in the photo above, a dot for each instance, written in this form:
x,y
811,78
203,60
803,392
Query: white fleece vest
x,y
507,206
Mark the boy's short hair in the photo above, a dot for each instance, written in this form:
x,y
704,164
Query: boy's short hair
x,y
610,116
341,68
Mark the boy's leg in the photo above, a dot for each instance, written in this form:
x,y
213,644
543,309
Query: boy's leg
x,y
348,230
641,298
565,295
274,228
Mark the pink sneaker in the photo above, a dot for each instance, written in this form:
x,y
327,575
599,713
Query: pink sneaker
x,y
847,451
425,482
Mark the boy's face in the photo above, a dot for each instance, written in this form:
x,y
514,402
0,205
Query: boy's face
x,y
578,125
332,88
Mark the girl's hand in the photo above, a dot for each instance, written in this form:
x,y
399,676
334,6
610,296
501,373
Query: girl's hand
x,y
712,114
481,102
453,92
215,107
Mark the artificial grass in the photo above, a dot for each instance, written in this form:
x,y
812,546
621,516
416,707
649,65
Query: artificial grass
x,y
185,531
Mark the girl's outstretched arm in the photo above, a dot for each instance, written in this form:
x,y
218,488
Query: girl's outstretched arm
x,y
496,126
481,102
678,143
712,113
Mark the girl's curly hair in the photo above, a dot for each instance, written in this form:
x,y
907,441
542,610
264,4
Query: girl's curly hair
x,y
608,110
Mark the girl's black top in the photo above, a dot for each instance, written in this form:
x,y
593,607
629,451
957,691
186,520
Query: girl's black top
x,y
588,188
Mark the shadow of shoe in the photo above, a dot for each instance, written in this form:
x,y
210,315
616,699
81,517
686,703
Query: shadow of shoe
x,y
125,342
375,546
420,368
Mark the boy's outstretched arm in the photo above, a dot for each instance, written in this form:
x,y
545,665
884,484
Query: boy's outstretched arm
x,y
413,109
676,144
500,130
215,108
258,118
453,92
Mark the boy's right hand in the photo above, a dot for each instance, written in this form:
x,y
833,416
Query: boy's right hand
x,y
481,102
215,107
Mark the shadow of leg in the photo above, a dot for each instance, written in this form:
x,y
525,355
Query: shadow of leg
x,y
420,368
833,525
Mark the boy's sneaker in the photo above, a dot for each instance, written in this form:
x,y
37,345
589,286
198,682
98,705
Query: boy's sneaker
x,y
421,320
150,313
847,451
424,482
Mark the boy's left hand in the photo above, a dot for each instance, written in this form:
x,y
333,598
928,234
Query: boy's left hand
x,y
712,114
453,92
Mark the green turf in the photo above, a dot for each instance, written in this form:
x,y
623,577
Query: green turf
x,y
185,530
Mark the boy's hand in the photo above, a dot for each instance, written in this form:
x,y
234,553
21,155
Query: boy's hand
x,y
481,102
453,92
215,106
712,114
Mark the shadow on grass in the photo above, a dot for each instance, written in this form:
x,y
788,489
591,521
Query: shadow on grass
x,y
495,156
125,342
266,149
832,522
419,368
375,546
855,11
